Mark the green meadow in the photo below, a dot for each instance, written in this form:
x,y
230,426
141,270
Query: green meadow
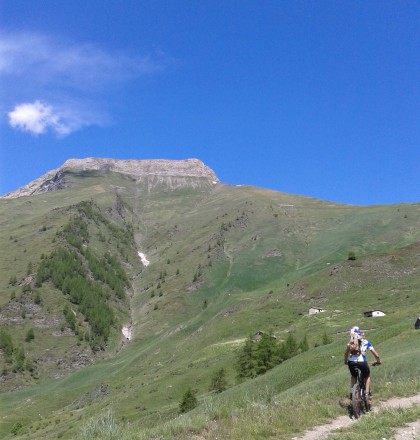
x,y
225,263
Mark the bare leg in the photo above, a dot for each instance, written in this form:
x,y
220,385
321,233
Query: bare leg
x,y
352,382
367,385
368,397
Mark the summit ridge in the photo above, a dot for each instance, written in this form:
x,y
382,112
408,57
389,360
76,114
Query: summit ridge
x,y
138,168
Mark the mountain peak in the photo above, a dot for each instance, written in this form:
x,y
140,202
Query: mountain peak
x,y
138,168
162,167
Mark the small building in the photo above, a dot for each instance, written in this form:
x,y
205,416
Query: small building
x,y
315,310
417,324
373,313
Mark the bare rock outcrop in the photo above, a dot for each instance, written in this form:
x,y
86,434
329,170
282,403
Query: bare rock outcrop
x,y
56,179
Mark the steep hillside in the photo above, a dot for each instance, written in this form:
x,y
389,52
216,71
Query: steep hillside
x,y
147,278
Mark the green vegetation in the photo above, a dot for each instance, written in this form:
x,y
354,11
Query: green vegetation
x,y
66,271
102,427
225,262
30,335
351,256
256,358
6,345
189,401
218,382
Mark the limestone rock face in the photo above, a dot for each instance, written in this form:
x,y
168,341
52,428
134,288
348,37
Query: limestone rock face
x,y
55,179
162,167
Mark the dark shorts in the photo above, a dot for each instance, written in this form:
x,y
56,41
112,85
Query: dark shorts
x,y
363,366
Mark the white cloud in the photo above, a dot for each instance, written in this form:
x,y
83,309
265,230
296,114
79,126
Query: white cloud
x,y
38,117
60,86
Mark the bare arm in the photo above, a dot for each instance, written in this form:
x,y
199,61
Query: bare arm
x,y
346,354
374,352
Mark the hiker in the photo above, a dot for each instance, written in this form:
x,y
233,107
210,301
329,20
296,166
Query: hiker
x,y
355,355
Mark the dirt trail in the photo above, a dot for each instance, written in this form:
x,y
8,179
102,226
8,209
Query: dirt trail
x,y
408,432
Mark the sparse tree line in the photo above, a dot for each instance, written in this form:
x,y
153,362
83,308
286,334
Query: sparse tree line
x,y
219,238
218,384
67,271
109,271
216,245
214,248
218,241
254,358
88,281
14,355
76,231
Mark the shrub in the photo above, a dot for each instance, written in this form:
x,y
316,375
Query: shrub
x,y
19,359
102,427
218,382
188,402
30,335
326,339
29,365
37,298
6,345
17,427
26,288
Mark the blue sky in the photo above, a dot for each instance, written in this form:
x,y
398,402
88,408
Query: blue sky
x,y
317,98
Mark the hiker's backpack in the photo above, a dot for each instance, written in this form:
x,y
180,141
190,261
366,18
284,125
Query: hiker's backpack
x,y
354,345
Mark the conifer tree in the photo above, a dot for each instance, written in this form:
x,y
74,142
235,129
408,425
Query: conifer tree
x,y
304,346
291,345
188,402
218,382
266,353
246,364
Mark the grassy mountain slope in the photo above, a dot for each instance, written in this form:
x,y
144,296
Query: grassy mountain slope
x,y
225,262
